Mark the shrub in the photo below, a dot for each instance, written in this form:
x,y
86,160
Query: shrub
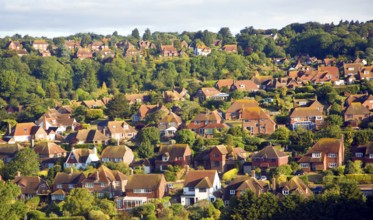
x,y
230,174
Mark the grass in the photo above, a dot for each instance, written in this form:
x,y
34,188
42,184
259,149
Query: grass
x,y
315,178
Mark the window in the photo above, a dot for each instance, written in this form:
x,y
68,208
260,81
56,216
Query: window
x,y
285,192
216,163
232,192
370,156
304,165
89,185
103,184
191,189
117,183
247,120
359,154
316,155
332,155
59,186
318,117
202,190
216,155
142,190
70,186
332,165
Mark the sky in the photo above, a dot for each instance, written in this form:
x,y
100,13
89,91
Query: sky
x,y
52,18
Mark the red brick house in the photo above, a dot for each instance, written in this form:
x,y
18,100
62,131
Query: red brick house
x,y
205,123
244,86
269,157
364,153
257,121
26,132
352,68
365,99
230,48
140,189
366,73
235,110
169,51
221,83
356,113
32,186
310,118
223,158
105,182
326,74
327,153
49,153
64,182
212,93
175,155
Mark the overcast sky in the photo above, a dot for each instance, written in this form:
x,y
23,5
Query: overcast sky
x,y
64,17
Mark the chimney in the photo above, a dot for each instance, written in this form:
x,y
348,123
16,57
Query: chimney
x,y
32,142
18,174
273,184
253,173
97,176
95,149
118,142
71,170
131,171
9,128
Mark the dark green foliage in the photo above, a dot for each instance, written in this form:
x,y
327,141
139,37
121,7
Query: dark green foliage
x,y
185,136
118,107
26,162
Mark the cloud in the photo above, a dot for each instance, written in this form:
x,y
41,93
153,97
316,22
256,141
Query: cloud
x,y
63,17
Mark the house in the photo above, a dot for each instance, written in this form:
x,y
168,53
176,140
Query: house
x,y
169,51
131,51
205,123
27,132
86,136
329,61
21,52
230,48
105,182
235,110
269,157
200,185
117,130
310,118
295,186
257,121
97,45
327,153
143,45
40,45
81,158
117,154
141,189
240,184
54,119
45,53
264,82
15,45
49,153
221,83
356,113
175,95
64,182
244,86
9,150
146,110
72,45
364,153
107,53
137,98
365,99
200,50
169,124
211,93
352,68
93,104
84,53
146,165
174,155
313,103
223,158
32,186
366,73
326,74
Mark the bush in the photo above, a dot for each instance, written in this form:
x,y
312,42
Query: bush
x,y
35,215
230,174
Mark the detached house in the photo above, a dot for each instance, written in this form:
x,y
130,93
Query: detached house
x,y
327,153
169,51
86,136
145,110
49,153
356,113
175,155
54,119
169,124
26,132
295,186
32,186
366,73
202,50
93,104
118,130
221,83
175,95
200,185
205,123
244,86
141,189
105,182
230,48
241,184
84,53
235,110
269,157
223,158
81,158
40,45
310,118
117,154
212,93
352,69
257,121
364,153
64,183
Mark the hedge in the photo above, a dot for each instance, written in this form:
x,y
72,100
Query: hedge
x,y
359,178
230,174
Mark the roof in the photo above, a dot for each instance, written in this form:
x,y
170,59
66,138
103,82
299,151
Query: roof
x,y
352,68
224,83
10,149
86,136
117,152
296,185
230,48
144,110
324,145
254,113
104,174
47,148
174,151
168,48
210,91
28,184
269,152
242,103
356,108
246,85
144,181
68,178
243,183
171,117
119,127
23,129
301,112
196,178
80,155
93,103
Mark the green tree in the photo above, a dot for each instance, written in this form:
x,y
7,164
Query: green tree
x,y
118,107
79,202
353,167
136,34
147,35
10,207
335,120
185,136
150,134
146,149
281,133
26,162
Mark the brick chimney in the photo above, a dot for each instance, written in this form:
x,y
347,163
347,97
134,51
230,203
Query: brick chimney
x,y
18,174
253,173
97,176
273,184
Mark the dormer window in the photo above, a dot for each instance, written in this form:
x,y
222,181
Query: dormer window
x,y
114,126
125,127
165,158
316,155
285,192
232,192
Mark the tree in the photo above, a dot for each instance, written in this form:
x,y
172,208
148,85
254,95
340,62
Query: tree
x,y
26,162
150,134
147,35
335,120
281,133
353,167
79,202
118,107
146,149
136,34
185,136
10,207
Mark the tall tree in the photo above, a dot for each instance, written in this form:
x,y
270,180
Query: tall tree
x,y
26,162
135,33
79,202
147,35
118,107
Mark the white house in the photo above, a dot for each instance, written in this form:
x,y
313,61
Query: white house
x,y
81,158
200,185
